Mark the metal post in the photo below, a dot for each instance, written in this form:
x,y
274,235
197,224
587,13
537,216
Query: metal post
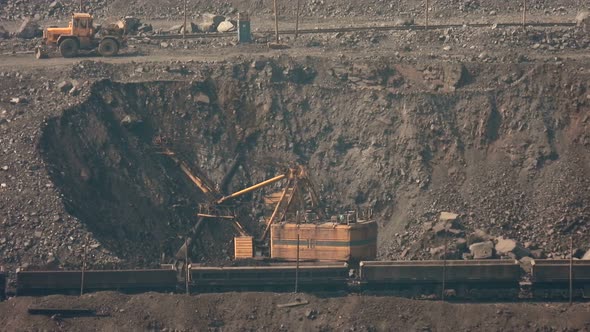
x,y
276,22
444,276
426,9
186,277
81,9
571,276
297,266
297,20
82,274
524,14
184,29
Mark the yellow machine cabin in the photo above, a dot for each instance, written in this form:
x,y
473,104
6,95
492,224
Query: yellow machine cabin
x,y
80,26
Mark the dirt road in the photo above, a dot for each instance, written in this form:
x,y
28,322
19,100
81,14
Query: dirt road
x,y
259,312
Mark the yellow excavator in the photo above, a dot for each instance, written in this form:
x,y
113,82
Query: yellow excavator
x,y
297,226
81,34
297,188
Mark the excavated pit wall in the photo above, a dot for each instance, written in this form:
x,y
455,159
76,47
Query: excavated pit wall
x,y
401,144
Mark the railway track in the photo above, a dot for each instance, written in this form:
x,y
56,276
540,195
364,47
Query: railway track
x,y
462,280
365,28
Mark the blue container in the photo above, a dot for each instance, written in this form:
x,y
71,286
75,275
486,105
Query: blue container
x,y
244,32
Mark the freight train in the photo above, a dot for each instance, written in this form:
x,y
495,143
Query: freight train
x,y
466,280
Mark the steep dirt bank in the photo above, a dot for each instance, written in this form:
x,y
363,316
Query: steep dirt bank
x,y
258,311
498,144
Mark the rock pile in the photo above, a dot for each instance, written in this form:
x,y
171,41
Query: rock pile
x,y
208,23
4,34
583,21
29,29
19,9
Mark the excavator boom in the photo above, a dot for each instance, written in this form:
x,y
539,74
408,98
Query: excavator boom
x,y
252,188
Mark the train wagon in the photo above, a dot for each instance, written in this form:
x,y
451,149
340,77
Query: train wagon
x,y
2,284
60,282
271,278
551,278
473,279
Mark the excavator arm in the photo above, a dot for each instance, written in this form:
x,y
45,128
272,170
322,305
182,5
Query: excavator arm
x,y
297,180
252,188
200,181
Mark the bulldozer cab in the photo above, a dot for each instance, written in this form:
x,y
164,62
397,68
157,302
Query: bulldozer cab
x,y
82,25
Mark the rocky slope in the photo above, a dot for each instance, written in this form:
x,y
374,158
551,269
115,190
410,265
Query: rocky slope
x,y
504,145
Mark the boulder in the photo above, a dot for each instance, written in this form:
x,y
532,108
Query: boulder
x,y
482,250
586,255
4,33
29,29
144,28
455,75
191,28
455,232
175,28
226,26
437,251
440,227
478,236
209,22
507,246
214,18
461,244
18,100
583,20
206,27
538,254
202,98
65,86
466,256
403,21
448,216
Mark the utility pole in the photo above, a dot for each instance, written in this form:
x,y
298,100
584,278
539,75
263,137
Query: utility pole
x,y
184,26
297,20
83,270
426,14
524,14
187,276
444,277
276,22
297,266
571,275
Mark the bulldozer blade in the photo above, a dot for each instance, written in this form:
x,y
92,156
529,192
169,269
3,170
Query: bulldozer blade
x,y
40,53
